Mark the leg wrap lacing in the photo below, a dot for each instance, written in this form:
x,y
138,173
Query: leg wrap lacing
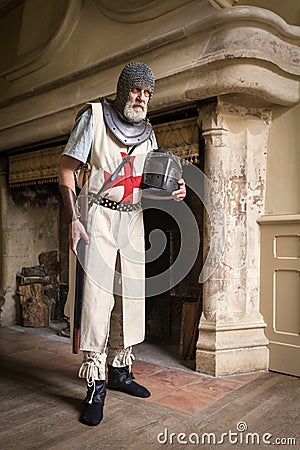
x,y
93,366
121,358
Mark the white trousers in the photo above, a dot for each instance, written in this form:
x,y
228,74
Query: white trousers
x,y
93,364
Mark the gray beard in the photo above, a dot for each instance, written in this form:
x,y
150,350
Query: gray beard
x,y
134,116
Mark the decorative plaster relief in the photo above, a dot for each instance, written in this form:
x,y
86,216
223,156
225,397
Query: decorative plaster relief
x,y
181,137
38,167
133,11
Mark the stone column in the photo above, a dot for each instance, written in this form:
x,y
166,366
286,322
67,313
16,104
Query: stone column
x,y
231,330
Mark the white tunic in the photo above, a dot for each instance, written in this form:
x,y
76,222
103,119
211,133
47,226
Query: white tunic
x,y
111,232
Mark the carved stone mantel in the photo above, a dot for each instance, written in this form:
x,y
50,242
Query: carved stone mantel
x,y
202,52
137,11
231,329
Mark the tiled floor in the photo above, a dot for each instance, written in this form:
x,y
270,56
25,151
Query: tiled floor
x,y
187,392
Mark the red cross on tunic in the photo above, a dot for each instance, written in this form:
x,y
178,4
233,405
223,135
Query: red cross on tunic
x,y
127,180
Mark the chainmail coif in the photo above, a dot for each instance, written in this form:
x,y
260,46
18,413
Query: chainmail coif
x,y
134,74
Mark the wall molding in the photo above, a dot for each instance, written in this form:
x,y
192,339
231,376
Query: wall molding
x,y
278,219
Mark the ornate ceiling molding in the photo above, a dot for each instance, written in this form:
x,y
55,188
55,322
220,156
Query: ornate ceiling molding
x,y
134,11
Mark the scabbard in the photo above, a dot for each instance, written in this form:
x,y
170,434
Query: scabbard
x,y
80,263
80,275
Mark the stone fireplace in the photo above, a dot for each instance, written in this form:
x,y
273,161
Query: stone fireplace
x,y
32,193
228,71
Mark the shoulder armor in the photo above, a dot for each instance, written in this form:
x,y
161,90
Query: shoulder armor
x,y
125,132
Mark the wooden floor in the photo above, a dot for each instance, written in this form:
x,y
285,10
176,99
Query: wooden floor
x,y
41,400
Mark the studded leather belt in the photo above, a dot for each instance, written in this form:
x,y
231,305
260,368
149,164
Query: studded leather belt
x,y
124,207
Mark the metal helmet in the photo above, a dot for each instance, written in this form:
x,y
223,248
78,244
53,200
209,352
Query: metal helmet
x,y
162,171
134,74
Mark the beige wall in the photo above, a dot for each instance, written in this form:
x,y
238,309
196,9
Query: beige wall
x,y
283,163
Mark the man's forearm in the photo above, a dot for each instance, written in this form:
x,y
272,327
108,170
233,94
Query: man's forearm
x,y
67,186
70,203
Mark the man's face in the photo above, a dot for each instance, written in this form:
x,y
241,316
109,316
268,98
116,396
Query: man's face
x,y
139,96
136,108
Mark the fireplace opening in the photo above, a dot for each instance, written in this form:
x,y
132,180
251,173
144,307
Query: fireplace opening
x,y
172,316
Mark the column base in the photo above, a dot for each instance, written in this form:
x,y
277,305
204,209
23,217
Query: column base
x,y
231,349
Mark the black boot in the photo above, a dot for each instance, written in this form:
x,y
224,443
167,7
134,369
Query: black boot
x,y
121,379
92,413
